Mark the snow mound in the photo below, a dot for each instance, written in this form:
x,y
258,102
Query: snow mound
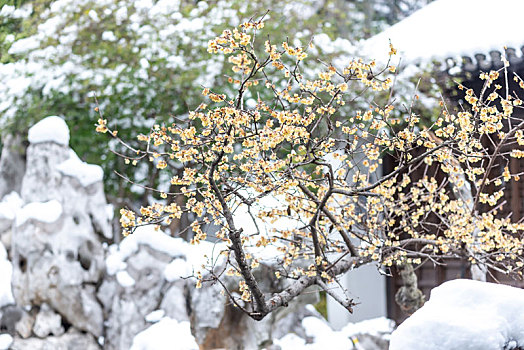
x,y
47,212
50,129
6,271
451,28
10,205
86,174
465,315
164,335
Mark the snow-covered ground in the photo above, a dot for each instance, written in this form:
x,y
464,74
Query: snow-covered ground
x,y
166,332
324,337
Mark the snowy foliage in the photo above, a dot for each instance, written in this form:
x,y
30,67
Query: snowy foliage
x,y
145,62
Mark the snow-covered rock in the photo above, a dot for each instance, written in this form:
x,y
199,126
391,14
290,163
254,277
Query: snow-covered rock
x,y
47,323
72,339
465,314
56,245
46,212
86,174
135,286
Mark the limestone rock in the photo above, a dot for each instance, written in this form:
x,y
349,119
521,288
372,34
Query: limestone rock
x,y
10,316
12,164
207,310
126,307
58,257
72,339
24,326
216,323
175,301
372,342
47,322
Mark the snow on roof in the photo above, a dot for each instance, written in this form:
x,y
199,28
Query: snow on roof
x,y
40,211
452,28
50,129
465,314
86,174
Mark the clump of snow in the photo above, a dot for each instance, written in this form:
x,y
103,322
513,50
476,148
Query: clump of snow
x,y
164,335
155,316
465,314
47,212
423,36
10,205
124,279
50,129
178,268
13,12
109,36
5,341
6,271
86,174
114,262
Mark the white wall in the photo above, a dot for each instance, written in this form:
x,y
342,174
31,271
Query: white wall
x,y
366,286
